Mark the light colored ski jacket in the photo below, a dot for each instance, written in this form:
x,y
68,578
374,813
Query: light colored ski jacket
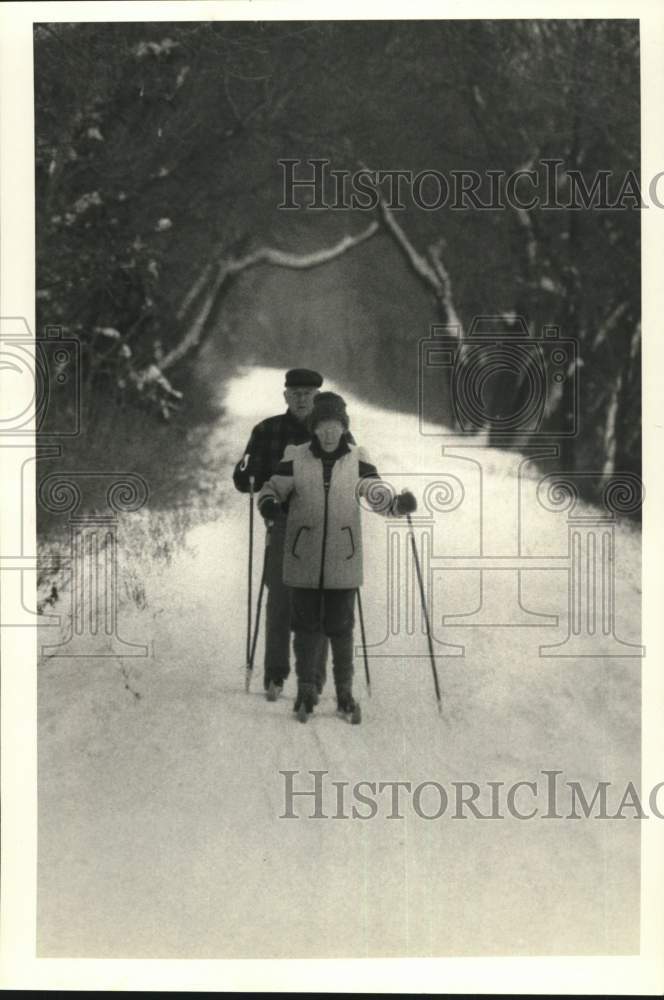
x,y
323,547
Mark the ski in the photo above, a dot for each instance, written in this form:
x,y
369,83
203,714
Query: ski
x,y
354,717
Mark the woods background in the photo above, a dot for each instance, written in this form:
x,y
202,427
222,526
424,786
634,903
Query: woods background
x,y
157,185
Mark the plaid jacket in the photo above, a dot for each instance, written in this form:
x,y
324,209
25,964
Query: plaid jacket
x,y
267,443
265,448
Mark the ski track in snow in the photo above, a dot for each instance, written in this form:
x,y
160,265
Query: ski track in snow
x,y
159,784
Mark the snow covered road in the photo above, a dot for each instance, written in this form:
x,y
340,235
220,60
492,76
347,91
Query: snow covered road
x,y
160,784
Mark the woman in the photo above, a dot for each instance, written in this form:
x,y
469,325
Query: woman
x,y
322,483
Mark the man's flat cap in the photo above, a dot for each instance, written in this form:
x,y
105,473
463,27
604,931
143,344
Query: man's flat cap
x,y
303,377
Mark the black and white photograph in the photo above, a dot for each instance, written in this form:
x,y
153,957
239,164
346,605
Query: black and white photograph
x,y
326,494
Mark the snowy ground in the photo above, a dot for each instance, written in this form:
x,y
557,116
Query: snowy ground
x,y
159,779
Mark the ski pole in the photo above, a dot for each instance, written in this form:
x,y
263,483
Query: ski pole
x,y
252,652
364,642
426,614
250,567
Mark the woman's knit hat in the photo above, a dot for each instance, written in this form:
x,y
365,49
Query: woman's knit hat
x,y
328,406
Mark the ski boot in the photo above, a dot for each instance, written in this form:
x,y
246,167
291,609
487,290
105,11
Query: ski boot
x,y
273,691
348,708
305,701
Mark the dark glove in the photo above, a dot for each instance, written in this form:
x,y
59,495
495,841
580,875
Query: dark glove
x,y
406,503
244,471
270,509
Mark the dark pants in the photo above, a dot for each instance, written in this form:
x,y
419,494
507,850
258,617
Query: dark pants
x,y
277,617
330,612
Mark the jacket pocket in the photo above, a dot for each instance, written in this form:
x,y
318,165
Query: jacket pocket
x,y
302,528
351,541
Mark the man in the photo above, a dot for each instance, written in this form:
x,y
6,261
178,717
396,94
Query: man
x,y
269,439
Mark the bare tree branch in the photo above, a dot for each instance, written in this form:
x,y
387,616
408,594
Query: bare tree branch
x,y
603,338
436,254
282,258
610,440
418,263
194,291
230,267
434,274
526,223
